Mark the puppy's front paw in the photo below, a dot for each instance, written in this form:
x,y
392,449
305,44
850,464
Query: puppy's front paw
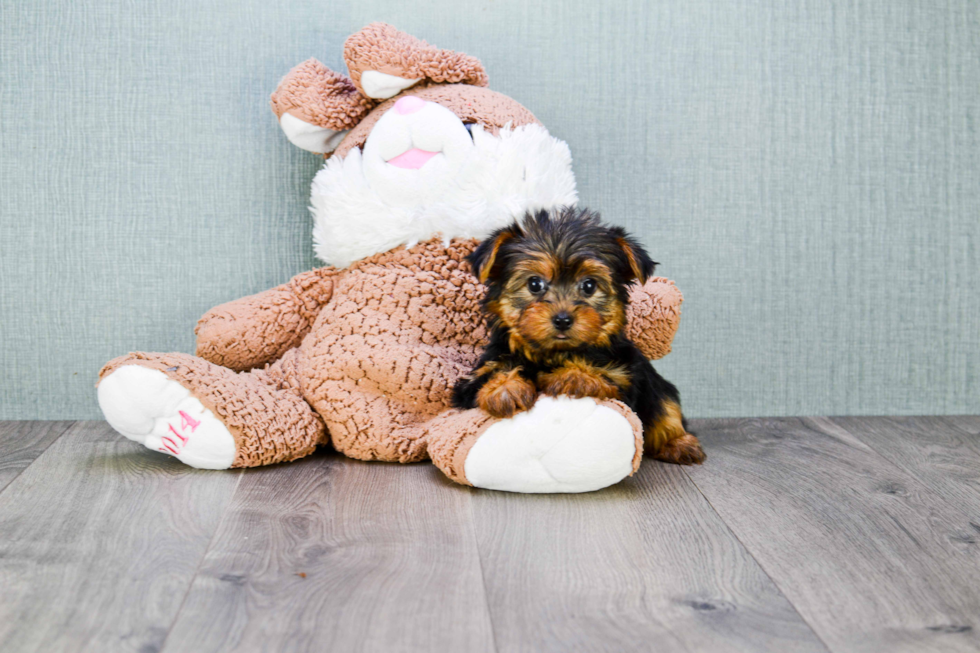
x,y
506,393
576,382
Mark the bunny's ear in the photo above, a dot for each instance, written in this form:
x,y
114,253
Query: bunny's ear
x,y
383,62
316,106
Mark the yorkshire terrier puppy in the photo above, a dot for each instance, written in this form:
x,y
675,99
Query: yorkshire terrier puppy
x,y
557,290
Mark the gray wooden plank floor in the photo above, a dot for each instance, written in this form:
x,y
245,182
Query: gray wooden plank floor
x,y
845,534
99,543
864,550
643,565
331,554
22,442
943,453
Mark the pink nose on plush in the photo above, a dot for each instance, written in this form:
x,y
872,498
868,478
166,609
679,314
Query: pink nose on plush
x,y
409,104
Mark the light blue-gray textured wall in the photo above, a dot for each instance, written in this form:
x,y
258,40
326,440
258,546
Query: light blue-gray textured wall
x,y
808,171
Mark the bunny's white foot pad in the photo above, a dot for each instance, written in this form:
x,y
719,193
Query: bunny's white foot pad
x,y
560,445
149,407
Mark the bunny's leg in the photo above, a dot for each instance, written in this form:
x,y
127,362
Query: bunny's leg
x,y
208,416
560,445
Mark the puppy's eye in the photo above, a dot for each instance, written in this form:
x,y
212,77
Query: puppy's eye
x,y
588,287
535,285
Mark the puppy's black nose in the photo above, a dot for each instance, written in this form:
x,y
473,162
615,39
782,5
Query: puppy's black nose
x,y
562,321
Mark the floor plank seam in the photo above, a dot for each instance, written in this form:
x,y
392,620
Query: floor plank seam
x,y
28,466
782,593
902,470
871,523
200,563
483,574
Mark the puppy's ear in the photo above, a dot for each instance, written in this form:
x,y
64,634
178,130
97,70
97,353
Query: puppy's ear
x,y
641,266
484,260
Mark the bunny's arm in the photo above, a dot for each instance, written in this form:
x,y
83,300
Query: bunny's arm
x,y
258,329
653,315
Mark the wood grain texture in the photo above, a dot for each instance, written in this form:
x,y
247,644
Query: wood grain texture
x,y
968,423
332,554
942,453
844,534
644,565
22,442
866,553
99,542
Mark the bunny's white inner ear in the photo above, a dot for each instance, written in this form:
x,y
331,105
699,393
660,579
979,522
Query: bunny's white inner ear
x,y
382,86
310,137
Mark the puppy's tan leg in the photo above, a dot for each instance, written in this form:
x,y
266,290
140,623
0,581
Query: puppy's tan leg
x,y
580,379
667,440
506,393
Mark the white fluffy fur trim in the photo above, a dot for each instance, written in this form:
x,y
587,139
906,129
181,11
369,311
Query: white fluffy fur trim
x,y
521,169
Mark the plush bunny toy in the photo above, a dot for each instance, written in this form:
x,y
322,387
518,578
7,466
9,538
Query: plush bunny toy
x,y
363,354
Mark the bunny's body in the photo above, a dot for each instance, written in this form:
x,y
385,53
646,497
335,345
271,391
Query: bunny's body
x,y
363,355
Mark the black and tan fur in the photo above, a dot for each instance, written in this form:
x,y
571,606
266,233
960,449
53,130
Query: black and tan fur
x,y
557,289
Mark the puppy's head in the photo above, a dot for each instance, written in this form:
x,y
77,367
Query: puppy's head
x,y
560,279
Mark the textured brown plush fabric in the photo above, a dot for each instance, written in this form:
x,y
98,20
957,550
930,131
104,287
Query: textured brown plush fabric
x,y
653,315
317,95
384,353
263,409
453,435
634,421
256,330
471,103
376,367
366,357
383,48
